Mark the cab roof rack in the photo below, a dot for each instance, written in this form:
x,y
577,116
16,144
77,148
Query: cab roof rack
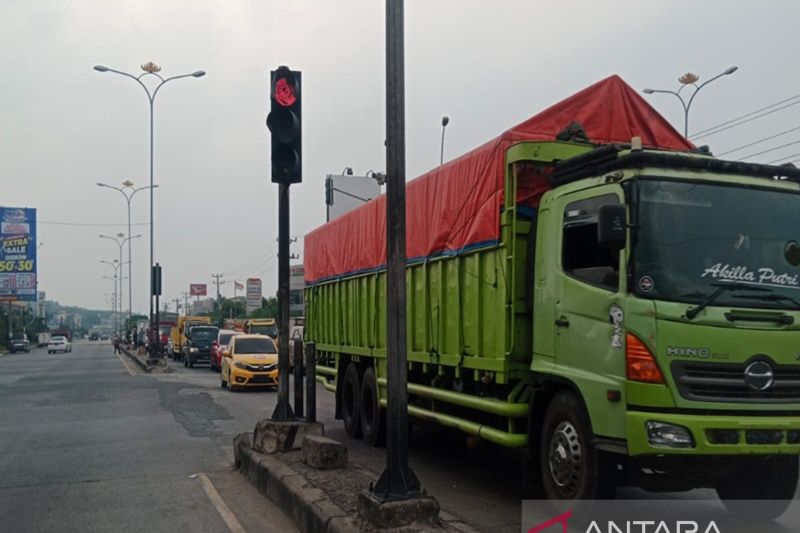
x,y
608,158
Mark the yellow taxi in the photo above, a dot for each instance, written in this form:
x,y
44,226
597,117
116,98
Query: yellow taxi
x,y
249,361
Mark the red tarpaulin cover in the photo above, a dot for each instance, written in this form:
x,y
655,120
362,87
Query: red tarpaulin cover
x,y
456,206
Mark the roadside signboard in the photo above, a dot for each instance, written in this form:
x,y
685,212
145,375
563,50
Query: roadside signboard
x,y
198,289
253,294
17,254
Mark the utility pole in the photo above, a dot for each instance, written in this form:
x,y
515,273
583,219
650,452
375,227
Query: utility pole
x,y
217,278
397,481
185,303
177,306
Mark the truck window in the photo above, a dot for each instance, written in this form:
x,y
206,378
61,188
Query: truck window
x,y
581,255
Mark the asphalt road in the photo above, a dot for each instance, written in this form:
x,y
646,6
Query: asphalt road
x,y
87,444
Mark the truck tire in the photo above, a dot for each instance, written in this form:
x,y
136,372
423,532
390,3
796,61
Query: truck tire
x,y
571,466
373,416
351,406
772,479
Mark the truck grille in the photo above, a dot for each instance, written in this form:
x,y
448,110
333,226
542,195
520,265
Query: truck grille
x,y
725,382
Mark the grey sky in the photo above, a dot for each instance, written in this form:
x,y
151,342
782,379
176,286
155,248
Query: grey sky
x,y
487,65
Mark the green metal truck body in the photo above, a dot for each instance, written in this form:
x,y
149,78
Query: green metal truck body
x,y
498,333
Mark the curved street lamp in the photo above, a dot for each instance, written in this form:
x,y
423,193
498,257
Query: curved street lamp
x,y
686,80
127,190
445,122
120,239
150,69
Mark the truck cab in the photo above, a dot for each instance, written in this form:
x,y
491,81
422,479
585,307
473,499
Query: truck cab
x,y
667,295
197,348
262,326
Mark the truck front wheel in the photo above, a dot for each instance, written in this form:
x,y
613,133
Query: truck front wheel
x,y
771,478
571,466
351,405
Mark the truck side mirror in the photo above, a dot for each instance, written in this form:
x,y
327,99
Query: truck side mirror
x,y
611,226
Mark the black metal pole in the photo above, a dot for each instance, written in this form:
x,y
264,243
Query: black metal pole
x,y
157,330
298,377
283,411
397,481
311,382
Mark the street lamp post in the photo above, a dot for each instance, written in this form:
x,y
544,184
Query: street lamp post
x,y
151,69
116,266
690,79
127,190
121,239
445,122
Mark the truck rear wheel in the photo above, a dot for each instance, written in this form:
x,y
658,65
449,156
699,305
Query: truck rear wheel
x,y
373,416
351,405
571,466
773,478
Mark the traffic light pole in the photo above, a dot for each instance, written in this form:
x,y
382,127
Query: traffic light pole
x,y
398,480
283,411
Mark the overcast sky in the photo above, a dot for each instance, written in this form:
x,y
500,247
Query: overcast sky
x,y
486,64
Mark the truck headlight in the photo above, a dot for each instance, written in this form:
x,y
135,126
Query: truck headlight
x,y
193,349
668,435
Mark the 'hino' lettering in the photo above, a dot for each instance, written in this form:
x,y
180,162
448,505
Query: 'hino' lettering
x,y
761,276
688,351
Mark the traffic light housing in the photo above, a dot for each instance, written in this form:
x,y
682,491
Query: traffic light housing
x,y
285,126
328,191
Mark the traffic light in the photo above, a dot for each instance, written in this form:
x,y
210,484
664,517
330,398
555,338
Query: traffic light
x,y
285,126
328,191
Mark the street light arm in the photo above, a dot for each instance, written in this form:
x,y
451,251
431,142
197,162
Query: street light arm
x,y
163,81
673,93
141,189
137,79
697,90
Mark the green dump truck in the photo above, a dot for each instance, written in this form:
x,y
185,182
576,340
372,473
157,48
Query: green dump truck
x,y
628,313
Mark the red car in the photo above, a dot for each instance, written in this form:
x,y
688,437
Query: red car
x,y
218,346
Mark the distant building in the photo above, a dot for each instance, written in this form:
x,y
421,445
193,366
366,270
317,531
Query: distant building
x,y
201,307
297,283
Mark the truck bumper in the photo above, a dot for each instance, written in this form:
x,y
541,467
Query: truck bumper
x,y
714,435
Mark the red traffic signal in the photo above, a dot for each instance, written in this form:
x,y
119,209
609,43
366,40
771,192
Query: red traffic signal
x,y
285,126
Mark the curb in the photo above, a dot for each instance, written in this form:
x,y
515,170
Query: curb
x,y
311,509
305,504
143,365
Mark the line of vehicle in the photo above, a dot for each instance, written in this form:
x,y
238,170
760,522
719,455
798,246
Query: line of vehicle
x,y
222,508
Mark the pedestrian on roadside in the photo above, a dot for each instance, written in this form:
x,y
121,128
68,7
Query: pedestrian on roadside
x,y
116,344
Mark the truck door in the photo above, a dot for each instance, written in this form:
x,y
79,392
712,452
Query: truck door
x,y
589,304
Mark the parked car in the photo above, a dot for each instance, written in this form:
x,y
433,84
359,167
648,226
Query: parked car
x,y
197,348
19,344
218,346
94,337
59,344
249,361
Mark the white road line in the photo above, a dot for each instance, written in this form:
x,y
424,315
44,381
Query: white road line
x,y
223,509
125,364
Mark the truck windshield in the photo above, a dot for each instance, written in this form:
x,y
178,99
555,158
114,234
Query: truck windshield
x,y
203,334
692,237
272,331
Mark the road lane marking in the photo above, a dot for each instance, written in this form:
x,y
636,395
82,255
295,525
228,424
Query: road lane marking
x,y
125,364
223,509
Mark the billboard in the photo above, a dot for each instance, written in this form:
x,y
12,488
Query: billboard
x,y
253,294
17,254
198,289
